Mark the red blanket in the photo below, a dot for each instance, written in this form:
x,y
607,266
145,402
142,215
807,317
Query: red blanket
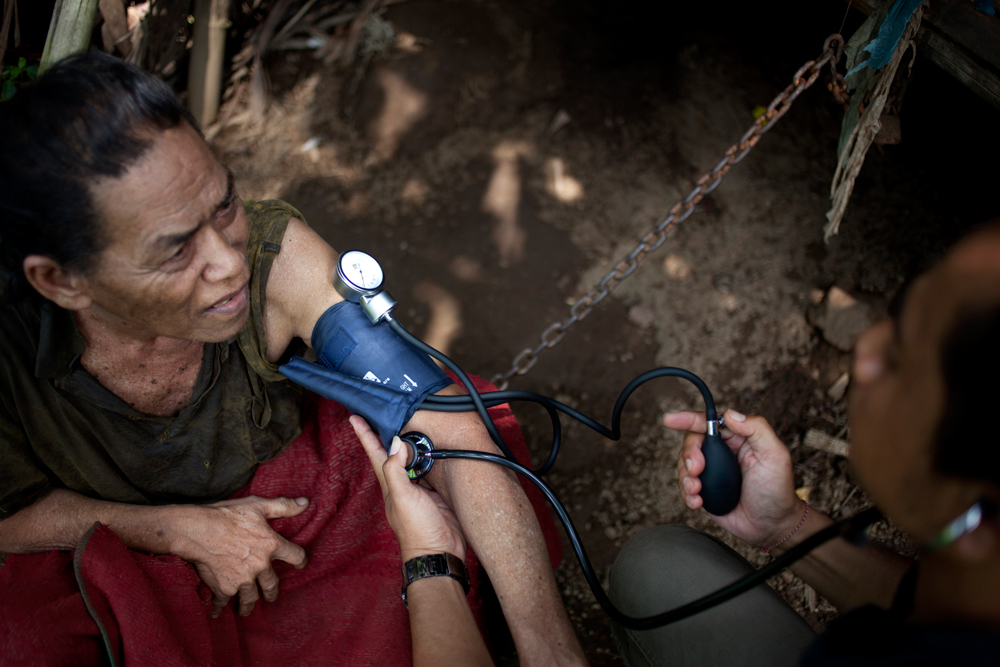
x,y
78,608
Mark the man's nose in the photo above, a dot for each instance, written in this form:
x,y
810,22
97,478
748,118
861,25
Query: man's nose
x,y
224,261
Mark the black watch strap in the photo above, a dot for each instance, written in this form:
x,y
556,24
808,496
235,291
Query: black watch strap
x,y
435,565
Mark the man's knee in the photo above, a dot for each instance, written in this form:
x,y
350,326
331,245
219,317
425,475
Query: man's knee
x,y
670,564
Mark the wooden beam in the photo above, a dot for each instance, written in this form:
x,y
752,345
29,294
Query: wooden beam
x,y
211,20
69,32
963,25
962,65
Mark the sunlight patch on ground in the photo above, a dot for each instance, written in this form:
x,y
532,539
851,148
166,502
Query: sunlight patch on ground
x,y
560,184
502,199
402,108
466,269
676,267
445,323
415,191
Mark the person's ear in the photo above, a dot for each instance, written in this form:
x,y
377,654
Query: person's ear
x,y
55,283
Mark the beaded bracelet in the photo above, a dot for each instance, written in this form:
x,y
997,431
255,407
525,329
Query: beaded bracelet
x,y
794,530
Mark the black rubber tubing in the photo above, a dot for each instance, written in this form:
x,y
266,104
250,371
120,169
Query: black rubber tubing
x,y
721,479
456,369
851,527
494,398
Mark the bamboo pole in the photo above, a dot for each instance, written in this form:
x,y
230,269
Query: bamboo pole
x,y
70,30
9,7
211,20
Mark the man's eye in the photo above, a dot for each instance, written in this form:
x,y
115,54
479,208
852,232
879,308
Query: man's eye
x,y
180,253
225,211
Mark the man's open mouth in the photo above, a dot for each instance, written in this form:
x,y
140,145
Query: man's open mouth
x,y
233,302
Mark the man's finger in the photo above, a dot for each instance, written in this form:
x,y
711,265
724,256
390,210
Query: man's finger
x,y
248,598
268,581
373,448
685,421
691,454
291,553
753,429
219,602
280,508
397,480
219,599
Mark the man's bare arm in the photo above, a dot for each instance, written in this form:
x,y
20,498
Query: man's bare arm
x,y
848,576
490,504
299,289
769,512
230,543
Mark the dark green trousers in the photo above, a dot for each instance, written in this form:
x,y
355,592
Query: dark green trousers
x,y
663,567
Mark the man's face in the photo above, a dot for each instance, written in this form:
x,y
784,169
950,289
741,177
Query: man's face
x,y
898,393
175,264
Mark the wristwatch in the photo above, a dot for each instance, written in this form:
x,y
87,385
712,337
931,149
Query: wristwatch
x,y
435,565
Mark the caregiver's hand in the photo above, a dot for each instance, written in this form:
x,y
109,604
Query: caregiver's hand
x,y
231,545
768,508
420,517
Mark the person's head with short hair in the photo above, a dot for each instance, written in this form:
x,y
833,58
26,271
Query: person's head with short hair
x,y
925,387
111,202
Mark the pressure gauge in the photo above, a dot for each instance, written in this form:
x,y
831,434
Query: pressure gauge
x,y
359,279
359,275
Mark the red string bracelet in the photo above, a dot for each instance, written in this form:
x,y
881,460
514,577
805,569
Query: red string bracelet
x,y
794,530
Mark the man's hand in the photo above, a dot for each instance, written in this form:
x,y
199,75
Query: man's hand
x,y
231,545
768,508
420,517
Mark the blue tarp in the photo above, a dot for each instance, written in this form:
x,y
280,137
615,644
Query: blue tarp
x,y
881,48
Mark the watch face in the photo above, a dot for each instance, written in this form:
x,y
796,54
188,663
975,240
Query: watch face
x,y
361,270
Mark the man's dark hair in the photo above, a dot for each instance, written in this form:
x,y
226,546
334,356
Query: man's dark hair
x,y
967,441
90,116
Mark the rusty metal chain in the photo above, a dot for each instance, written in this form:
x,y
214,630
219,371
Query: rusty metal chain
x,y
833,47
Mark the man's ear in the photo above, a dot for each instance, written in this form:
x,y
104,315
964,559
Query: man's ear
x,y
56,284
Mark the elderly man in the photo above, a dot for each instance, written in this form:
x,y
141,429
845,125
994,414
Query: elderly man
x,y
147,310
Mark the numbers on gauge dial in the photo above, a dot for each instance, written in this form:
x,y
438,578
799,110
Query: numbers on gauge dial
x,y
361,270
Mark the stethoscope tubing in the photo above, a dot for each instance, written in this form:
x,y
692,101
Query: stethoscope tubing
x,y
851,527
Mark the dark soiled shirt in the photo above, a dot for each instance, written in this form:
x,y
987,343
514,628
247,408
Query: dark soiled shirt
x,y
873,637
60,428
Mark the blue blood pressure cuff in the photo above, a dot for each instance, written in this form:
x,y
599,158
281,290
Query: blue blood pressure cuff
x,y
367,368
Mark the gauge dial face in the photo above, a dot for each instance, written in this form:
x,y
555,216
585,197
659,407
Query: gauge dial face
x,y
361,270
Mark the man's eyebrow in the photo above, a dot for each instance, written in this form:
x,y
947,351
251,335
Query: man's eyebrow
x,y
170,240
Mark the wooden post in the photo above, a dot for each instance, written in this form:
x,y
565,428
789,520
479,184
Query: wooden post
x,y
211,20
70,30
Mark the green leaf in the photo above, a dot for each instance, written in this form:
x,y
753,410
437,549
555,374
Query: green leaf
x,y
7,91
32,72
21,62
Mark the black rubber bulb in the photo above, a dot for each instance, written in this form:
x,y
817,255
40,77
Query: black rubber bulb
x,y
721,480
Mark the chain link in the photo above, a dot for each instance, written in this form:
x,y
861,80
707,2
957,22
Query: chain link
x,y
833,47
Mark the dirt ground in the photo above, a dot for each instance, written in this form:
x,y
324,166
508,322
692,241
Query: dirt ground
x,y
439,158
